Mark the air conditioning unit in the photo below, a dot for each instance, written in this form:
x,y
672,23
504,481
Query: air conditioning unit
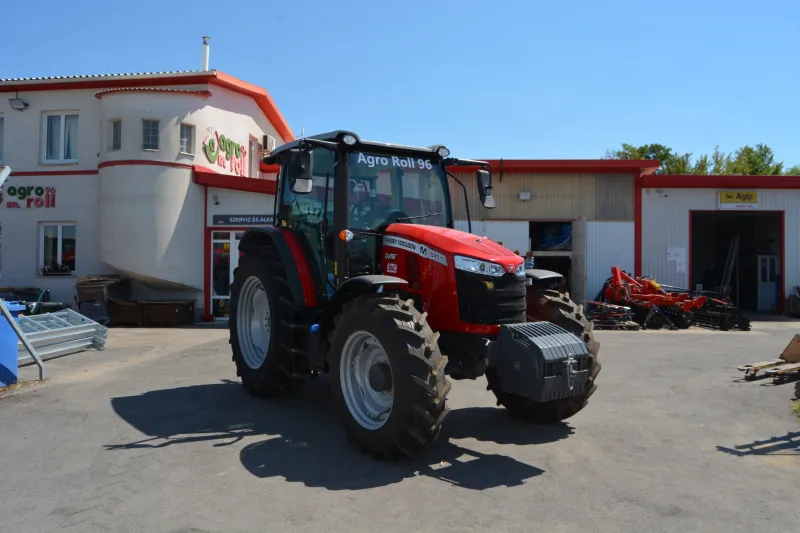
x,y
268,142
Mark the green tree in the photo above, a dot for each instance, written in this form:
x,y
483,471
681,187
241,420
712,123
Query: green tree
x,y
758,160
793,171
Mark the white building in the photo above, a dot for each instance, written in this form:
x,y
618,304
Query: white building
x,y
688,225
146,175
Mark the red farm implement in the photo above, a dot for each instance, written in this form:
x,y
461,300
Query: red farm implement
x,y
652,306
655,305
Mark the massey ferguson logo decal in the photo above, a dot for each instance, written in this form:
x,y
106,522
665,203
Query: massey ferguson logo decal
x,y
415,248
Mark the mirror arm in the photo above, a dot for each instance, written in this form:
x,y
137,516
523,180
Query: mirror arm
x,y
466,199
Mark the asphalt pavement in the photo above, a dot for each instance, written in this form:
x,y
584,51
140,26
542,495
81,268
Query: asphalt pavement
x,y
156,434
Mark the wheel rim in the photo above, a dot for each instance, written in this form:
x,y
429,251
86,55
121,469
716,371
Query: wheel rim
x,y
253,322
369,407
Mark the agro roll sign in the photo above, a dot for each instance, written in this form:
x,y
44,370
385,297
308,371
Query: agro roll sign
x,y
738,200
224,152
30,197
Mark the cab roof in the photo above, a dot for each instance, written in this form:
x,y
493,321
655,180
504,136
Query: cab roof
x,y
337,135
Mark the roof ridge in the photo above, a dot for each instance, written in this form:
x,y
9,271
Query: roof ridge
x,y
110,75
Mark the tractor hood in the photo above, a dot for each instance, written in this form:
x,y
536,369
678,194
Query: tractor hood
x,y
455,242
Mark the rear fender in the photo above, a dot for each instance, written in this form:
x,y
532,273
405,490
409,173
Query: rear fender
x,y
352,288
541,275
259,239
542,279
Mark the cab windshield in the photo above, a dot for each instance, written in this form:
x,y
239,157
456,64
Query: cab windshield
x,y
387,188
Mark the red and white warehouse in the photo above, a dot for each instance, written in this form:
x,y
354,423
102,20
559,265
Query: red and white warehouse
x,y
155,176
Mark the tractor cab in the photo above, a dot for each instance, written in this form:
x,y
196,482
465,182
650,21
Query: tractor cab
x,y
340,194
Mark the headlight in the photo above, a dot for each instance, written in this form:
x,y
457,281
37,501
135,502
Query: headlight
x,y
520,271
476,266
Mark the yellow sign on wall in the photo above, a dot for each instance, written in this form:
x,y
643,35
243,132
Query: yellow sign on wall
x,y
738,199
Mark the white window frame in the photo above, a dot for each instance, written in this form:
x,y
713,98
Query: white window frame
x,y
63,115
158,135
191,143
59,250
111,124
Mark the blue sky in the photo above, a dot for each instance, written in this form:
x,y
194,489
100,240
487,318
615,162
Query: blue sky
x,y
513,79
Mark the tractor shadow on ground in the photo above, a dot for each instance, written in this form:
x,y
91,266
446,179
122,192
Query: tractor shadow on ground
x,y
788,444
301,439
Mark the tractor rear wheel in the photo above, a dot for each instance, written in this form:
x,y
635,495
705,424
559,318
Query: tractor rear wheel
x,y
556,307
261,337
387,376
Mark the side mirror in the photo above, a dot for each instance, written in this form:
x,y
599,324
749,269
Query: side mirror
x,y
485,189
301,168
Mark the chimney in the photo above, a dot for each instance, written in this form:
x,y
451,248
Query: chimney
x,y
204,65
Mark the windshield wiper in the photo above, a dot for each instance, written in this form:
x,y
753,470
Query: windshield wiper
x,y
418,216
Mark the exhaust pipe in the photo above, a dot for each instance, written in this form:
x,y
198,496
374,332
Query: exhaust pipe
x,y
204,64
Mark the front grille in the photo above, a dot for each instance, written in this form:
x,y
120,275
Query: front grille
x,y
490,301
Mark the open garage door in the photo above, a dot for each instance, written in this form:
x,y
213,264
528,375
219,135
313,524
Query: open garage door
x,y
578,277
738,254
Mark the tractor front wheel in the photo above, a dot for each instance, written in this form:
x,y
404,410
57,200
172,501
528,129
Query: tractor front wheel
x,y
387,376
556,307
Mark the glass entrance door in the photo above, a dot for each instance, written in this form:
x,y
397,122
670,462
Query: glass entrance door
x,y
224,260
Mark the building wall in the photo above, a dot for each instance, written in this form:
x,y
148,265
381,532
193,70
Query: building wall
x,y
513,234
24,132
606,197
138,212
20,257
227,112
151,224
665,224
227,202
608,244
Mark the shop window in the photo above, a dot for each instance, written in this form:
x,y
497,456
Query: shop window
x,y
60,138
57,245
149,135
2,127
115,135
187,139
255,158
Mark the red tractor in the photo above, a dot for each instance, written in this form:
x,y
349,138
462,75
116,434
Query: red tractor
x,y
364,277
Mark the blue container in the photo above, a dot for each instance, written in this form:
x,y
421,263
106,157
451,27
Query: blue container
x,y
9,369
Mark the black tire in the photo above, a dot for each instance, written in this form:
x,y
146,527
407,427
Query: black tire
x,y
418,370
275,377
556,307
797,390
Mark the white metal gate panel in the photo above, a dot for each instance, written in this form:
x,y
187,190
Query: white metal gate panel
x,y
608,244
578,280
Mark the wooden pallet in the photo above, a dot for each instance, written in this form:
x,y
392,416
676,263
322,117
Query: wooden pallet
x,y
783,372
785,366
751,369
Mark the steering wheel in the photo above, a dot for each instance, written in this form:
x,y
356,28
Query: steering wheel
x,y
365,206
